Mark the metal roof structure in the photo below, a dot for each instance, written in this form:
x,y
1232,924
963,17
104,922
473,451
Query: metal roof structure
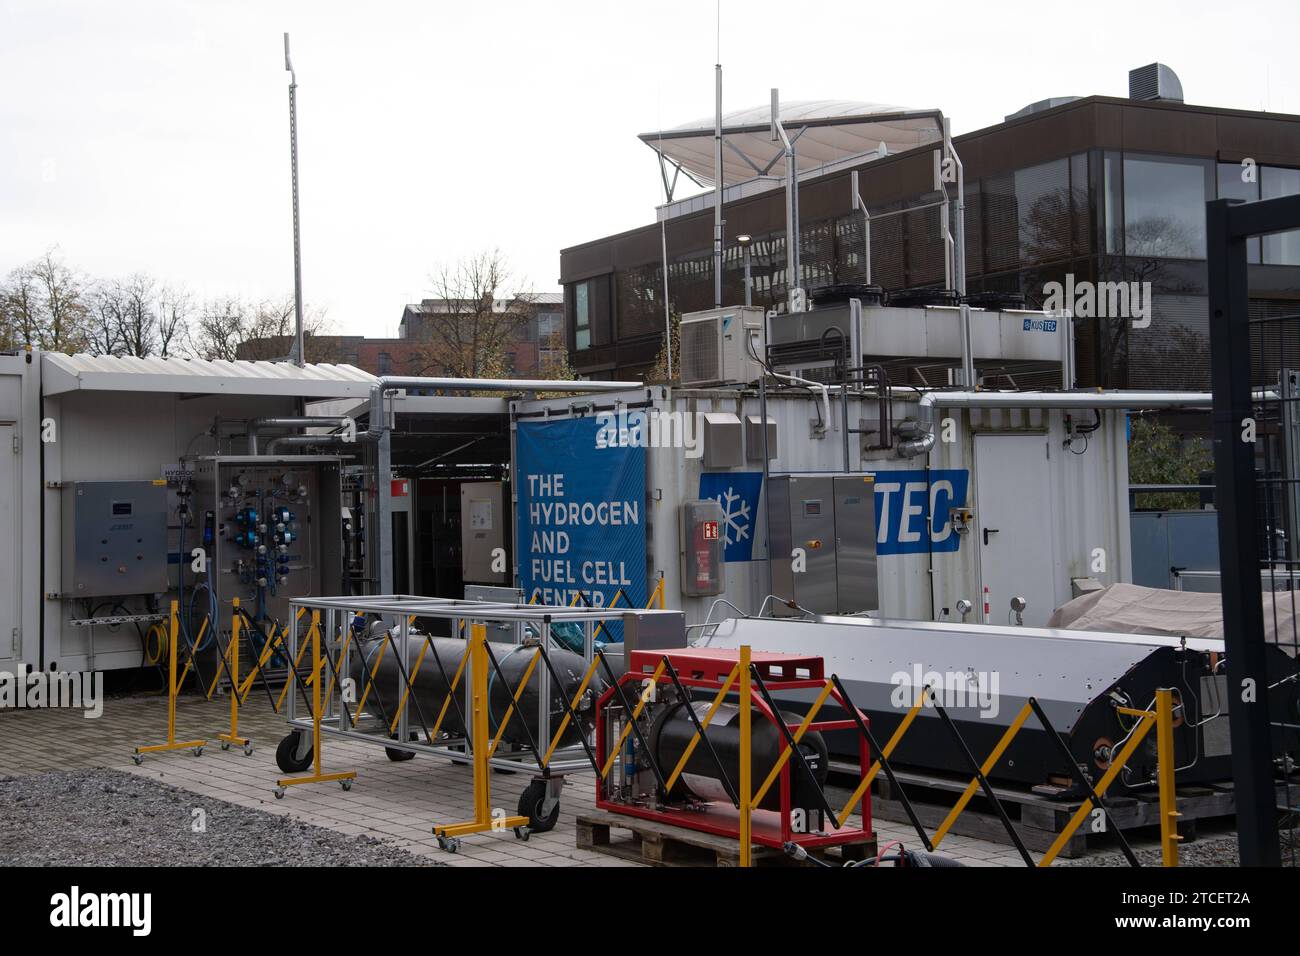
x,y
822,131
70,373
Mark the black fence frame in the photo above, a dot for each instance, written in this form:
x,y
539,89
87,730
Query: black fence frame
x,y
1229,225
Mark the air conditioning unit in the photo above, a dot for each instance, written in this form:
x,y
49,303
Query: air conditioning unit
x,y
722,346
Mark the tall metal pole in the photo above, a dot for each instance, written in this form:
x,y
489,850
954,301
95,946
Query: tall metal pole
x,y
296,356
717,192
1236,498
791,201
668,312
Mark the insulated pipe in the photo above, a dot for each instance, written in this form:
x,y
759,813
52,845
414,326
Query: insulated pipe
x,y
308,421
962,399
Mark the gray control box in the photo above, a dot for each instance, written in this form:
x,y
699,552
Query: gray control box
x,y
823,541
114,538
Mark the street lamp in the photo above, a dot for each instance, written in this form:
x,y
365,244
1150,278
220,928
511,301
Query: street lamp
x,y
745,242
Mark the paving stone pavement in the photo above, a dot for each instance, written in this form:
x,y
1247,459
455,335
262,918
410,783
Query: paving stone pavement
x,y
395,802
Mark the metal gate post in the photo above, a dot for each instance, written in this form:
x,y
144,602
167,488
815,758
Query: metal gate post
x,y
1237,501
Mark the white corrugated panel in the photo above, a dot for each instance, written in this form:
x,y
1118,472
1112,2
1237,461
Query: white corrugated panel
x,y
68,373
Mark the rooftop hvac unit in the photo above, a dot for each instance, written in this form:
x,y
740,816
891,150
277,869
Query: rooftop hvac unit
x,y
722,346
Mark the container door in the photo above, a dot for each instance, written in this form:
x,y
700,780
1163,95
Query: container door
x,y
855,544
1014,516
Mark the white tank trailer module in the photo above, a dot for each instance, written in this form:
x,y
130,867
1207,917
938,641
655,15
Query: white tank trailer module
x,y
983,676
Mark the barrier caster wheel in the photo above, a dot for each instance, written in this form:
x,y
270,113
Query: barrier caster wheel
x,y
530,806
248,750
286,757
198,751
450,844
346,785
225,745
279,793
522,833
137,759
397,756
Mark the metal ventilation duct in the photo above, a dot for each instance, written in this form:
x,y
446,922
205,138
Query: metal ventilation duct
x,y
1155,81
1050,103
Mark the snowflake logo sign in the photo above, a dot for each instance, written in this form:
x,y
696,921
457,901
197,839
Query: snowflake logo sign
x,y
737,493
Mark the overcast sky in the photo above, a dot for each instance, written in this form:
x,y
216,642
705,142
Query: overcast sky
x,y
153,136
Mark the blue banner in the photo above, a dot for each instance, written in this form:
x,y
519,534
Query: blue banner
x,y
901,507
581,522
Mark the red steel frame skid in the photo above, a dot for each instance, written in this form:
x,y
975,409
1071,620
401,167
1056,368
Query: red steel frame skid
x,y
708,669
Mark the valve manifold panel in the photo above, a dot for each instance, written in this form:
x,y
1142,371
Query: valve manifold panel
x,y
270,528
114,538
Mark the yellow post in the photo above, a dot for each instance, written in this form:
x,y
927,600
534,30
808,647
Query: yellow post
x,y
233,661
173,688
344,778
1165,771
746,769
479,745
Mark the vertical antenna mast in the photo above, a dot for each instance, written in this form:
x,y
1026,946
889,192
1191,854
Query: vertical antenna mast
x,y
717,174
296,356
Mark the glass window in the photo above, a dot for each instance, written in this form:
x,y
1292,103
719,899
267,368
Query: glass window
x,y
1236,183
1043,212
1282,249
1164,207
1114,204
581,316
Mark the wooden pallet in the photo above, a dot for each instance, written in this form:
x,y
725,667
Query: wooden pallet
x,y
1037,813
661,844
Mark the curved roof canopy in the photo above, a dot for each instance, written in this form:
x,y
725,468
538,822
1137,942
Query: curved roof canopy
x,y
822,131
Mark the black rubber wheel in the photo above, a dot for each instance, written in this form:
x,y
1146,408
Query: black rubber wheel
x,y
397,756
285,758
530,806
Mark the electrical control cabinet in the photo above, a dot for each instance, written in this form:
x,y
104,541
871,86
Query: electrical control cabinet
x,y
823,541
270,529
114,538
484,527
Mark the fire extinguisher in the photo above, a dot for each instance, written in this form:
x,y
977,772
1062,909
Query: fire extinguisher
x,y
703,556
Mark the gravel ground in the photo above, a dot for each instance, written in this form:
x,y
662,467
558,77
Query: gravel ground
x,y
1213,851
111,818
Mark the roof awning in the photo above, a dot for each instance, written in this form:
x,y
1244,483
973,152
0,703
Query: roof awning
x,y
822,132
109,373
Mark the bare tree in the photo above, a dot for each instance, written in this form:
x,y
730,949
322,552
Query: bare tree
x,y
20,310
139,322
471,320
62,299
104,326
43,305
219,329
174,312
231,329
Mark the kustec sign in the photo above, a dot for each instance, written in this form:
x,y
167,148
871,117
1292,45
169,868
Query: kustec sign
x,y
903,498
581,522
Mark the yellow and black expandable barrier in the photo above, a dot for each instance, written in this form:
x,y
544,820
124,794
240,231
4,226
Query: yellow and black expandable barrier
x,y
1161,718
173,688
448,835
317,775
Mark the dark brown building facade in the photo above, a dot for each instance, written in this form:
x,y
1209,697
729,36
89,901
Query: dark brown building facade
x,y
1100,189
